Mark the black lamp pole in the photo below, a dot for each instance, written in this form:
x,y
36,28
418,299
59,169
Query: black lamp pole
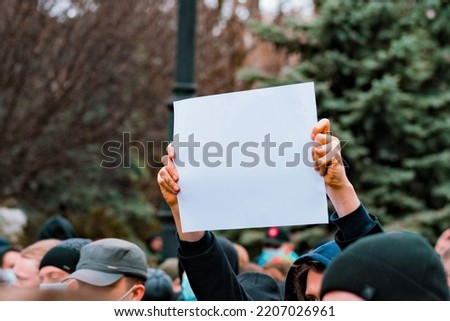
x,y
184,87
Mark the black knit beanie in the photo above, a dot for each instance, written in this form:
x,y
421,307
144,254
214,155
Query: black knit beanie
x,y
5,246
158,286
56,227
398,266
64,255
260,286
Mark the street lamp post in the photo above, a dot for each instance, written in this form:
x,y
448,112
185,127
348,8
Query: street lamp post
x,y
184,87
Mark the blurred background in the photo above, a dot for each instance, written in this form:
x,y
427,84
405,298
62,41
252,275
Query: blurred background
x,y
75,74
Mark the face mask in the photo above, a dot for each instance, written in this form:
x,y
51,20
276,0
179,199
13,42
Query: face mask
x,y
7,277
126,294
268,254
54,286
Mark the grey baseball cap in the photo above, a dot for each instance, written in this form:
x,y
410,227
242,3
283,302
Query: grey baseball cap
x,y
105,261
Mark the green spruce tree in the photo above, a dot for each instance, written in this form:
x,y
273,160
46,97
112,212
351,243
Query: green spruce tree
x,y
382,75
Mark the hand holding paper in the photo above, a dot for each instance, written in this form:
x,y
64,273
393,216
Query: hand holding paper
x,y
330,164
167,180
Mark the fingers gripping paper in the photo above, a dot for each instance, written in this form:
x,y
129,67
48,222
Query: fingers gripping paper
x,y
244,160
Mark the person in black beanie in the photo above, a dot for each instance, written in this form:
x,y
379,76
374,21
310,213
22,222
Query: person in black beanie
x,y
155,245
158,286
60,261
397,266
56,227
260,286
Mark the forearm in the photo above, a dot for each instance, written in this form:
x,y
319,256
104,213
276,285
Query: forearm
x,y
343,198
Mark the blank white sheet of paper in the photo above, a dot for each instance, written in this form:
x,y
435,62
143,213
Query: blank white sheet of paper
x,y
244,160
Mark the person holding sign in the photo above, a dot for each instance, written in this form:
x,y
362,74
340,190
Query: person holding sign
x,y
209,272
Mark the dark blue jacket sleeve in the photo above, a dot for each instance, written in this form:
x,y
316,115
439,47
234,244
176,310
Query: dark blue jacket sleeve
x,y
210,275
354,226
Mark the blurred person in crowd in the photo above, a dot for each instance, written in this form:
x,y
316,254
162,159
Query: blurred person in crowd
x,y
443,242
170,267
398,266
111,269
7,278
61,260
260,286
230,252
445,258
272,272
155,246
278,270
243,256
56,227
8,254
187,294
158,286
37,294
277,254
204,261
8,257
251,267
277,247
26,268
305,276
442,248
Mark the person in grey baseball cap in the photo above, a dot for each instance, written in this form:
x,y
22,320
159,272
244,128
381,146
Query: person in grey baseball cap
x,y
111,269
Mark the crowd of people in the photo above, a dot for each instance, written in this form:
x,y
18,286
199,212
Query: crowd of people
x,y
362,262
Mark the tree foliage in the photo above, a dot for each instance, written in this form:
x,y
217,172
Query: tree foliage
x,y
76,74
381,71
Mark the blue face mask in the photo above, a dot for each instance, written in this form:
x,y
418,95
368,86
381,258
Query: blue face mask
x,y
268,255
7,277
53,286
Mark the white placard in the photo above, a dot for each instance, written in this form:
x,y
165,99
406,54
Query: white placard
x,y
244,160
